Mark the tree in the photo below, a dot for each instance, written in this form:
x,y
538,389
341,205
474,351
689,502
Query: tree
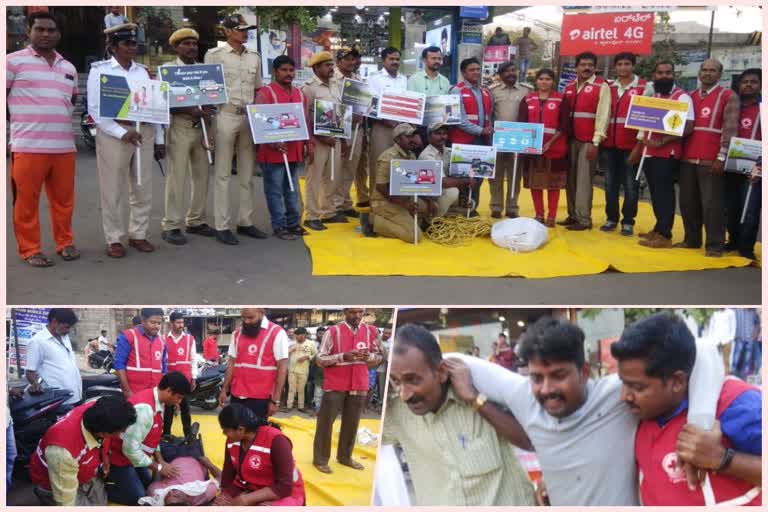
x,y
663,49
283,17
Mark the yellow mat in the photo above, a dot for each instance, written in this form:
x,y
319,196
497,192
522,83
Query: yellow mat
x,y
342,250
345,486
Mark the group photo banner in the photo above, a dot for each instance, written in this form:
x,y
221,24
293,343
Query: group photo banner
x,y
144,101
657,115
607,33
277,122
511,137
472,161
443,108
195,85
402,106
415,178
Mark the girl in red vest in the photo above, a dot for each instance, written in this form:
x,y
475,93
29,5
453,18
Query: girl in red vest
x,y
259,468
548,171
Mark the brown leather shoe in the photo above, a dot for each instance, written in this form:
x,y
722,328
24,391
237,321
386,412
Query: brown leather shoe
x,y
496,215
115,250
352,463
324,468
141,245
656,242
647,234
567,222
685,245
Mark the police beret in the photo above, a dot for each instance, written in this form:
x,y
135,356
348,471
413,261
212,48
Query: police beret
x,y
181,34
319,58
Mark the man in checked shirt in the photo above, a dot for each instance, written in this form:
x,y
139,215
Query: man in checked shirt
x,y
346,353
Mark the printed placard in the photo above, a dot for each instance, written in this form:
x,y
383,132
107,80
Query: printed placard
x,y
657,115
195,85
332,119
136,100
468,160
277,122
415,177
510,137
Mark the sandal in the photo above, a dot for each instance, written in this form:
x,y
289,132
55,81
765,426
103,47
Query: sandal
x,y
39,260
69,253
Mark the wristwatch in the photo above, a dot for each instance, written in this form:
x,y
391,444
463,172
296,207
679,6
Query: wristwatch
x,y
480,400
721,157
727,458
276,402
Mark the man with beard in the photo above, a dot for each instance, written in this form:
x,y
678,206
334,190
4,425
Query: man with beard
x,y
702,184
258,364
186,155
455,455
655,358
662,160
141,356
569,417
743,235
348,350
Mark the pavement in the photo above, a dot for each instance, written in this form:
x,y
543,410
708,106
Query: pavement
x,y
275,271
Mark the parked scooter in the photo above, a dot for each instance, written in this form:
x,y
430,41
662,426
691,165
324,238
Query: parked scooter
x,y
210,378
101,359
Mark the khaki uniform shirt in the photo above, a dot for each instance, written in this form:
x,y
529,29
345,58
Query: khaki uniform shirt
x,y
242,72
432,153
298,350
456,457
316,89
383,166
506,101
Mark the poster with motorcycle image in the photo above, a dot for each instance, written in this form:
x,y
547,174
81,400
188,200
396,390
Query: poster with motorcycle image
x,y
277,122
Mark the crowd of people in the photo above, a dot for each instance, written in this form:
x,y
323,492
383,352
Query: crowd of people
x,y
583,126
113,448
662,431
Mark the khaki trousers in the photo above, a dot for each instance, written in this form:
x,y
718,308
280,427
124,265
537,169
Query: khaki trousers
x,y
233,136
361,174
394,221
342,199
320,190
186,154
297,382
381,139
116,164
578,187
504,168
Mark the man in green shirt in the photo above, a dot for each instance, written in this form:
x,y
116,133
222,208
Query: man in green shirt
x,y
455,457
430,81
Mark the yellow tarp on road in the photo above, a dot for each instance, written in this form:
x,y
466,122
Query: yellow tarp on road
x,y
343,250
345,486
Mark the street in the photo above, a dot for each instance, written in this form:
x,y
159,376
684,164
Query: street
x,y
274,271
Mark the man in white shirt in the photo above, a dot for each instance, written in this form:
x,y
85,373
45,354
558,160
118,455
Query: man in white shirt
x,y
115,17
103,341
116,143
50,358
386,79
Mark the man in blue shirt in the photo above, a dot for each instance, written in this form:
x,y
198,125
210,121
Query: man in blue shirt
x,y
140,354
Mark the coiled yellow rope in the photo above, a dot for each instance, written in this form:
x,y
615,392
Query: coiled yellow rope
x,y
456,231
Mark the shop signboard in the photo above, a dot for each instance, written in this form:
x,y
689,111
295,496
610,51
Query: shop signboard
x,y
607,33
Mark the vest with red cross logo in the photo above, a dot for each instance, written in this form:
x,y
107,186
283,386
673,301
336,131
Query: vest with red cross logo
x,y
749,122
151,440
618,136
547,112
349,375
179,355
472,111
583,108
144,368
255,365
704,142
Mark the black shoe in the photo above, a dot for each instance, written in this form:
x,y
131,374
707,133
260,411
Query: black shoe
x,y
578,227
339,218
567,222
226,237
609,226
365,204
627,229
730,246
350,213
284,234
748,255
251,231
174,236
473,213
315,224
202,230
298,230
193,431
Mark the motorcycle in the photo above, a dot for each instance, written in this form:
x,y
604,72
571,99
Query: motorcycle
x,y
101,359
103,384
88,129
210,379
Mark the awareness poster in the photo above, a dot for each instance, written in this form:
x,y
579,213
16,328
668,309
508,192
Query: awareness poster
x,y
277,122
468,160
138,100
333,119
415,177
658,115
359,96
402,106
511,137
443,108
195,85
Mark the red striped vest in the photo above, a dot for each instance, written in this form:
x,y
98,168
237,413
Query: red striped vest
x,y
255,365
618,136
180,354
704,142
549,115
144,368
349,376
472,110
583,108
749,122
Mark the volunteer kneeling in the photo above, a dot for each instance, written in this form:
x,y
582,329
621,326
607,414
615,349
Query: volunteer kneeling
x,y
259,468
132,452
64,466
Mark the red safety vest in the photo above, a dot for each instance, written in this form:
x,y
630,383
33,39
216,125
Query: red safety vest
x,y
255,365
180,354
672,149
548,113
273,93
68,434
749,122
618,136
704,142
349,376
255,472
144,368
472,110
151,440
583,108
662,480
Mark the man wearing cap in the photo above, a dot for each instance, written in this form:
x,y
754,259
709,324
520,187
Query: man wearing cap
x,y
507,96
186,153
116,143
319,207
346,62
437,134
242,73
393,215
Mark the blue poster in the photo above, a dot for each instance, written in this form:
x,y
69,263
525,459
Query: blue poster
x,y
29,321
511,137
195,85
478,12
135,100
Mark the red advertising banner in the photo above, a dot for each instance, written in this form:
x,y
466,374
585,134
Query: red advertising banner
x,y
607,33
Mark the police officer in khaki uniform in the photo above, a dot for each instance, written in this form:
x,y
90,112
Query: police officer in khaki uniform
x,y
116,143
507,96
448,203
320,189
393,215
346,62
242,74
186,154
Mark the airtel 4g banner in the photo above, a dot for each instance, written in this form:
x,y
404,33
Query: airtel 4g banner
x,y
607,33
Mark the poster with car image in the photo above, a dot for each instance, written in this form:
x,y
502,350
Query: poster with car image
x,y
468,160
195,85
332,119
415,177
277,122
